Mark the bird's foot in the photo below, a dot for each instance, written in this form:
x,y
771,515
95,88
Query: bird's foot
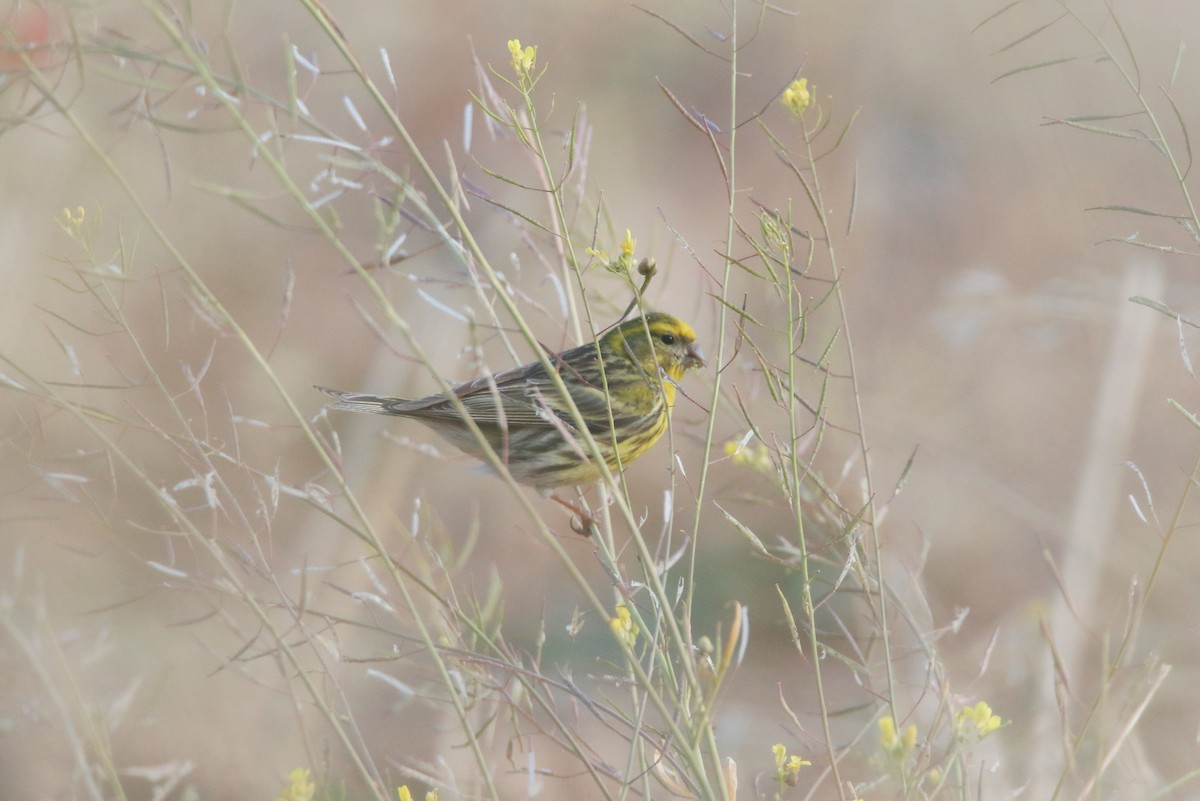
x,y
583,522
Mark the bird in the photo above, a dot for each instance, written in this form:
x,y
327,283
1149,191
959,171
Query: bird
x,y
523,417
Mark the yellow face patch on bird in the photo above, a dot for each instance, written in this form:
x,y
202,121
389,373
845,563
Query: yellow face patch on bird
x,y
671,347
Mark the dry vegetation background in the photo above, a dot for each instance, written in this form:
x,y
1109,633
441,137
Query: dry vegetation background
x,y
986,319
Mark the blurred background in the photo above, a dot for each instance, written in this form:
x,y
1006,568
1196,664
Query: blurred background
x,y
986,301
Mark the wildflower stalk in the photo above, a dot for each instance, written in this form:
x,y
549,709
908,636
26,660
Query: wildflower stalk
x,y
563,242
818,204
1118,662
1133,82
795,476
79,740
797,99
722,313
715,395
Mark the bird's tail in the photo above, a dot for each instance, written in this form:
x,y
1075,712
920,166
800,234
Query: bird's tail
x,y
357,401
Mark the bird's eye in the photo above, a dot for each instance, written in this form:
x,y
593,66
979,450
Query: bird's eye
x,y
668,339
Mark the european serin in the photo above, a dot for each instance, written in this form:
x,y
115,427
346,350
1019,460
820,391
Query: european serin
x,y
526,421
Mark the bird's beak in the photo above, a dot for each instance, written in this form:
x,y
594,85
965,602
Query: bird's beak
x,y
692,357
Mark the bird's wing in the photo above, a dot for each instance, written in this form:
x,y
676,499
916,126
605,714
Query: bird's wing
x,y
484,398
581,374
527,395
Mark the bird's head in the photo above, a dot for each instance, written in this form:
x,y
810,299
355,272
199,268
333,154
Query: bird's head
x,y
671,346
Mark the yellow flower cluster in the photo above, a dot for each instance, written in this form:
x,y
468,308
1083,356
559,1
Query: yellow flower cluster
x,y
787,768
73,219
757,458
623,626
622,264
977,721
523,59
406,795
897,745
797,97
628,245
299,788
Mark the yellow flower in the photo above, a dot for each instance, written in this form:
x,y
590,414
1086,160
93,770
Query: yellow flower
x,y
623,264
787,768
628,244
299,787
796,97
793,766
977,721
522,59
406,795
73,219
895,744
746,455
623,626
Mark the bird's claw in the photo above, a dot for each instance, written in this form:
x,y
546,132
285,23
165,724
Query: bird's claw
x,y
582,522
